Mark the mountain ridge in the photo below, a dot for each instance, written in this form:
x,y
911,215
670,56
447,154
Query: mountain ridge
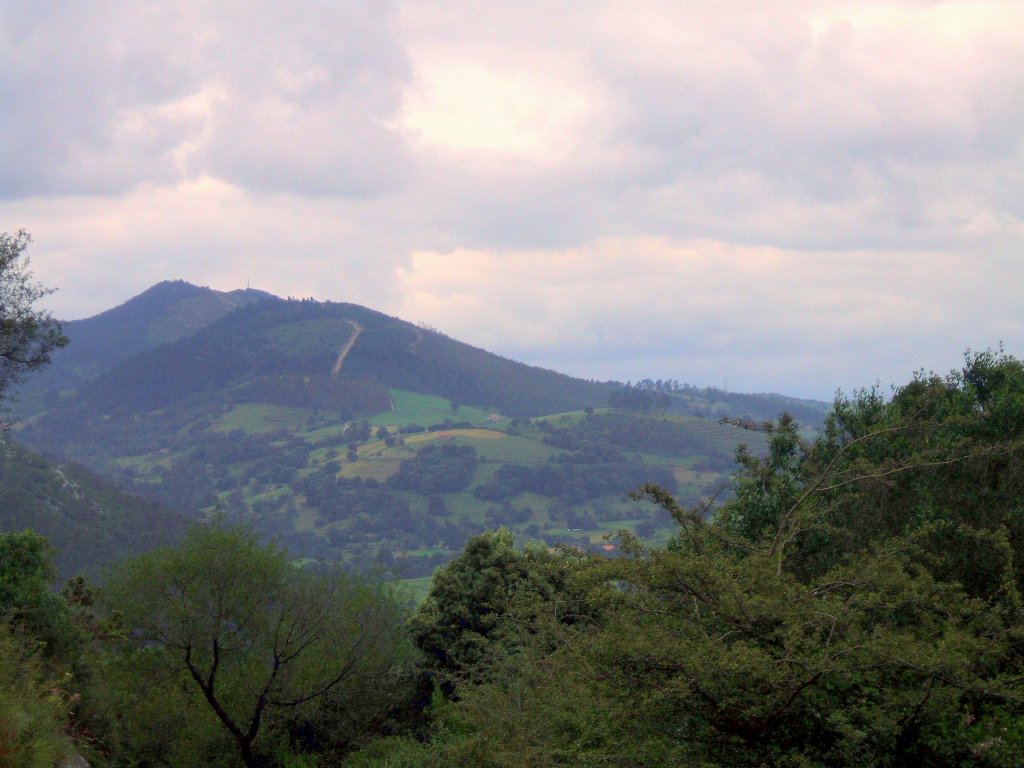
x,y
164,312
415,442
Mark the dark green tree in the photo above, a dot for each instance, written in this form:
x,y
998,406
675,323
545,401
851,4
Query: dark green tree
x,y
27,334
33,707
857,603
470,616
940,464
26,598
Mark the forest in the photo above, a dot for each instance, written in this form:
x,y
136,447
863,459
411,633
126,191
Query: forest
x,y
855,602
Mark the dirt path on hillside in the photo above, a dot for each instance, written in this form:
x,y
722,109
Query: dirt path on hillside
x,y
356,330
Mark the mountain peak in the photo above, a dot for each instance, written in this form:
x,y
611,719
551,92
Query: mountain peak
x,y
164,312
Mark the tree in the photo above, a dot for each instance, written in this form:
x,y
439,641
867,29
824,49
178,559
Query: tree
x,y
718,657
26,599
469,618
704,653
33,711
27,335
255,637
941,463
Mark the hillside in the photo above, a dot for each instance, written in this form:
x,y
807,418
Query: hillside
x,y
348,434
166,312
288,352
89,521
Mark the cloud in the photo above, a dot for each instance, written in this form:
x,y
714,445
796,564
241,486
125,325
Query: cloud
x,y
739,189
698,310
100,98
803,125
101,251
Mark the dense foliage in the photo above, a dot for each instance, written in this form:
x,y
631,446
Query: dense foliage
x,y
626,432
27,334
437,468
238,404
33,708
90,522
579,477
857,603
263,645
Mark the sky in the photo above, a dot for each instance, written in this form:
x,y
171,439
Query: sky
x,y
795,196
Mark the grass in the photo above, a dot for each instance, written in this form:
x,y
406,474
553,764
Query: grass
x,y
146,462
413,408
310,336
496,443
513,448
416,589
260,418
686,476
464,504
278,492
378,469
307,519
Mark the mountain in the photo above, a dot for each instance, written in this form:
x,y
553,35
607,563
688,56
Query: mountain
x,y
331,355
89,521
349,434
166,312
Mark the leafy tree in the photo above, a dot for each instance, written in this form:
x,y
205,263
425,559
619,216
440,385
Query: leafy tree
x,y
26,600
436,468
33,709
941,463
252,637
705,653
479,602
27,335
722,658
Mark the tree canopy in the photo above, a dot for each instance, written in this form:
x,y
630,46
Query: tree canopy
x,y
856,603
253,635
27,334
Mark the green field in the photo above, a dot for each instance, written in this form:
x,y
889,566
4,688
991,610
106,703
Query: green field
x,y
416,589
413,408
260,418
310,336
253,482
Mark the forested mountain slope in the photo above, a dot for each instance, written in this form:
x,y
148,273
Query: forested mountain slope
x,y
352,435
166,312
89,521
271,344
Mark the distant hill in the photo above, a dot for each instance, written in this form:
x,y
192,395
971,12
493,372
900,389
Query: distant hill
x,y
711,402
351,435
289,353
90,521
168,311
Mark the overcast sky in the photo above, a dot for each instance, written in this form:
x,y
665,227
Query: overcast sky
x,y
792,196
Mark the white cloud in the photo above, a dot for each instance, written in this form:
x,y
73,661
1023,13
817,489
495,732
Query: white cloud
x,y
103,97
680,309
740,189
